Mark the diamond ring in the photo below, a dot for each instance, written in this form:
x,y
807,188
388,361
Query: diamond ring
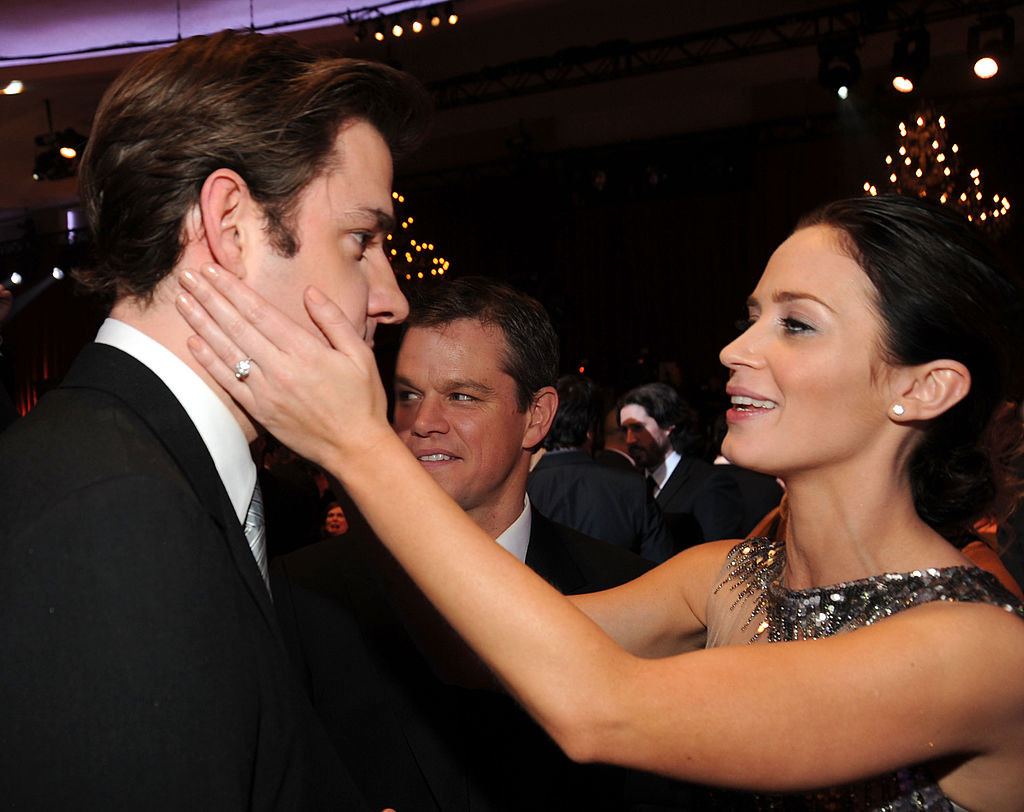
x,y
242,368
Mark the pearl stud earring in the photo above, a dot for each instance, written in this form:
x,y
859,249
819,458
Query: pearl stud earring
x,y
897,409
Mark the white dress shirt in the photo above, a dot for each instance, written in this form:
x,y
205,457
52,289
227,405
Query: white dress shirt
x,y
516,538
220,431
661,474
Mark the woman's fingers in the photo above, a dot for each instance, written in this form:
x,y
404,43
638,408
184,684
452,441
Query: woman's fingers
x,y
304,388
238,388
333,323
241,318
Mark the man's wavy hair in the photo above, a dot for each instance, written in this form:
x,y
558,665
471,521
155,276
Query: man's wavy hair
x,y
263,106
667,407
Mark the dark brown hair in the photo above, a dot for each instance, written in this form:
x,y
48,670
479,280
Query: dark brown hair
x,y
263,106
942,292
530,354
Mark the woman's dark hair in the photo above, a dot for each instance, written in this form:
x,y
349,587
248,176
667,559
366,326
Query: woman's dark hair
x,y
263,106
942,293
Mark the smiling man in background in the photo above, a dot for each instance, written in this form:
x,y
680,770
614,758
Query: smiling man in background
x,y
406,705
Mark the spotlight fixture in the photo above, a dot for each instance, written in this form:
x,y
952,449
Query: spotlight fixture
x,y
60,153
989,42
13,88
910,58
401,23
838,65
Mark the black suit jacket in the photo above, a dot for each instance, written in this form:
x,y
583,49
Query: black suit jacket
x,y
610,505
144,667
698,492
412,740
761,494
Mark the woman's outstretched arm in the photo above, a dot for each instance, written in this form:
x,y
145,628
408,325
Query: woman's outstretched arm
x,y
923,684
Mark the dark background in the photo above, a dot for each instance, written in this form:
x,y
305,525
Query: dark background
x,y
637,196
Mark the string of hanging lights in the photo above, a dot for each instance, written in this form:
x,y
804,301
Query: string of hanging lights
x,y
928,164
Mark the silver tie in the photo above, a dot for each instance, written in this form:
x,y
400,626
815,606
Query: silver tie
x,y
256,533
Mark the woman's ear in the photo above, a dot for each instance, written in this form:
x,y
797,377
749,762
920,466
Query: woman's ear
x,y
930,390
225,209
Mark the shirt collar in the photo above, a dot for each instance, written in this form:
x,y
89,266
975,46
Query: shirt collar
x,y
516,538
219,430
664,471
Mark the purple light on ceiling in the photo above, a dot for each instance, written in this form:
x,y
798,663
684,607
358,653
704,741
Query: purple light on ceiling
x,y
52,30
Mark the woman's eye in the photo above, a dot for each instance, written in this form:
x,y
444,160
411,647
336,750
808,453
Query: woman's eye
x,y
742,325
791,325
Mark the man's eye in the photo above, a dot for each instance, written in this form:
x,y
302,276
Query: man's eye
x,y
404,396
462,396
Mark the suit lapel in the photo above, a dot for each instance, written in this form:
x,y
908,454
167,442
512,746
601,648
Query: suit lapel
x,y
111,370
549,558
675,482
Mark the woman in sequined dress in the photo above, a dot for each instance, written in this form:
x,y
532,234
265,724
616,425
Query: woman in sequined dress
x,y
862,662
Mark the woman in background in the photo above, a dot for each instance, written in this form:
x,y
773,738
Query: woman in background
x,y
863,663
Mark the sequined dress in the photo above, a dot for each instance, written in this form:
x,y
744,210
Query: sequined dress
x,y
750,605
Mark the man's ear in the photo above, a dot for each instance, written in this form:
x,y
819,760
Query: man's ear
x,y
226,209
928,390
540,415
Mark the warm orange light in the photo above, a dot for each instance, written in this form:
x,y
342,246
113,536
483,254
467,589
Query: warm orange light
x,y
986,68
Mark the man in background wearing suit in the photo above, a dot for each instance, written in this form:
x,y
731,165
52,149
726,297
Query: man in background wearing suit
x,y
699,502
144,667
410,710
567,485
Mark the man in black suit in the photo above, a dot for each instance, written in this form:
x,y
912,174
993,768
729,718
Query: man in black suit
x,y
699,503
412,713
612,450
144,667
567,485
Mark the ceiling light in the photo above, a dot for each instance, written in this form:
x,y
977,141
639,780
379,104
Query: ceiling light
x,y
13,88
60,152
989,42
910,57
838,65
